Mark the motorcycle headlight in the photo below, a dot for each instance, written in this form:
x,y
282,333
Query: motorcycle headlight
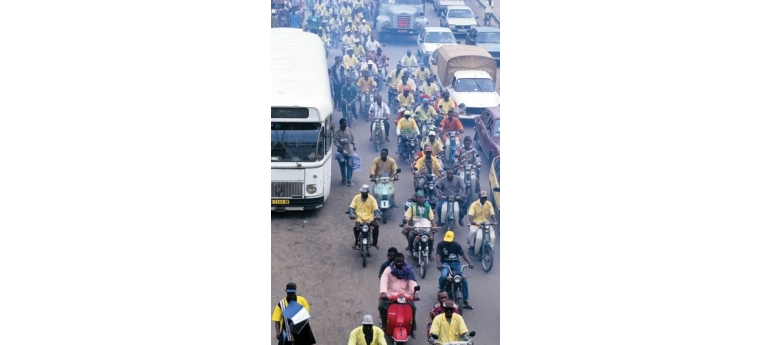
x,y
311,189
365,228
458,279
424,238
401,299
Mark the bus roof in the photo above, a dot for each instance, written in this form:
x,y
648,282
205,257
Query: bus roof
x,y
299,72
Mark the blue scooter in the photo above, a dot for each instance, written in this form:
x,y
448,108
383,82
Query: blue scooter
x,y
383,193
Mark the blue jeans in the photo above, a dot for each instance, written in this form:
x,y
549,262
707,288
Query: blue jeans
x,y
456,266
346,169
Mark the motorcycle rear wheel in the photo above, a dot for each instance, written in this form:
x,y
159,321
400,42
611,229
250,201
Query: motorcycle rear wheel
x,y
487,257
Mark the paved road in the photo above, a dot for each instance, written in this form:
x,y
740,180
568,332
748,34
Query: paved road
x,y
313,250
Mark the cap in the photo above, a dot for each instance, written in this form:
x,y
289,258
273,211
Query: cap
x,y
428,147
420,193
449,304
367,320
291,287
364,189
431,133
408,51
407,113
356,40
482,194
363,20
291,290
425,100
449,237
370,62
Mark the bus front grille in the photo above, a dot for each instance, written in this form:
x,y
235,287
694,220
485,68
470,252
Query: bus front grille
x,y
286,189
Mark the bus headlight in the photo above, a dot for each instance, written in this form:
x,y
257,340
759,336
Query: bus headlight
x,y
311,189
386,23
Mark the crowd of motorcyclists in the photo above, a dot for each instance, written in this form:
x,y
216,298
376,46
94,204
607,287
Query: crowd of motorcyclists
x,y
424,118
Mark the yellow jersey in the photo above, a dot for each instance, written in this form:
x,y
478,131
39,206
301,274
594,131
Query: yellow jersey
x,y
364,209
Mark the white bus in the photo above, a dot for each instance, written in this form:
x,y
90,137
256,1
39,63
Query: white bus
x,y
301,121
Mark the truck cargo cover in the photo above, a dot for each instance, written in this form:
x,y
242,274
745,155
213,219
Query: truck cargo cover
x,y
453,58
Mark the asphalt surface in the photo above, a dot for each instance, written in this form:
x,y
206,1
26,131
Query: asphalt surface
x,y
313,250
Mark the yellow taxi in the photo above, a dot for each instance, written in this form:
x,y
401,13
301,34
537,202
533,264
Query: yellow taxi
x,y
494,181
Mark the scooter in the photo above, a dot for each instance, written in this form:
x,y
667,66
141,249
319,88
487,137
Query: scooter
x,y
434,340
451,145
453,286
448,211
378,134
399,323
366,100
383,193
483,246
468,174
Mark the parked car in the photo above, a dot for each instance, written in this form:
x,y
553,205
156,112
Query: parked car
x,y
486,37
430,39
488,132
459,19
494,181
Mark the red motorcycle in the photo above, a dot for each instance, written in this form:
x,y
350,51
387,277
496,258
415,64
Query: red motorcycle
x,y
399,323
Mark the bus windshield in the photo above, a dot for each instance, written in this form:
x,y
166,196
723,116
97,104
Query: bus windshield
x,y
296,142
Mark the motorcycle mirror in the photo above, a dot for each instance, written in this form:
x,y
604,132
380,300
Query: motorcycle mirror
x,y
496,189
434,336
416,288
472,333
398,170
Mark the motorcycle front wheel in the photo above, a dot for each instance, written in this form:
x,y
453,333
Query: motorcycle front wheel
x,y
487,257
363,253
385,216
423,266
458,299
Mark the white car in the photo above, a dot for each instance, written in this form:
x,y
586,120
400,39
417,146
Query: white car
x,y
459,19
430,39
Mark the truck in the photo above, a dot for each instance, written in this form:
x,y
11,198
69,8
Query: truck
x,y
401,17
469,73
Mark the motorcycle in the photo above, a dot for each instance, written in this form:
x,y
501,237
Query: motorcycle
x,y
448,211
336,37
453,286
483,246
398,326
378,134
392,93
434,340
409,146
428,189
451,145
421,245
348,111
383,193
352,72
365,240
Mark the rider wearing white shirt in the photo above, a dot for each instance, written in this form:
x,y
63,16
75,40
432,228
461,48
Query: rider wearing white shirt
x,y
372,44
409,60
380,111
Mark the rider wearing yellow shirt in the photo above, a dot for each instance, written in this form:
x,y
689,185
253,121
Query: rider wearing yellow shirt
x,y
421,73
363,208
425,112
350,60
396,75
406,82
366,83
445,104
358,49
405,99
407,125
345,11
429,87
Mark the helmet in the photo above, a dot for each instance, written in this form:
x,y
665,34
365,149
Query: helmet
x,y
370,62
406,88
425,100
428,148
367,320
407,113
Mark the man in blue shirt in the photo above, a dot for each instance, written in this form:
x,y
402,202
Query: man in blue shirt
x,y
295,20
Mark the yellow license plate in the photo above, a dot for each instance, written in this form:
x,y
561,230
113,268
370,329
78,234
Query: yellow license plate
x,y
280,202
